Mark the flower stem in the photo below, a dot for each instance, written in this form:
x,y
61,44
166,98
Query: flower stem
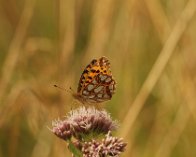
x,y
75,151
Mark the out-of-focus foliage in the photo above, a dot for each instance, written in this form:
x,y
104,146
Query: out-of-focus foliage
x,y
43,43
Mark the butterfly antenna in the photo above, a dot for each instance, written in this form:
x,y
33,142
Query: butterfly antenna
x,y
61,88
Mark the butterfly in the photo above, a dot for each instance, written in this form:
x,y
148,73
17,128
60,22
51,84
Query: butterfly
x,y
96,83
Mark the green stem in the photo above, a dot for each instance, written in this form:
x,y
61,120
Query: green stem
x,y
75,151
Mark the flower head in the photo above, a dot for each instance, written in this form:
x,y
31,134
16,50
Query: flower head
x,y
80,129
82,122
62,129
109,146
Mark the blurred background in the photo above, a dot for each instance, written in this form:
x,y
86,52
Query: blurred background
x,y
151,47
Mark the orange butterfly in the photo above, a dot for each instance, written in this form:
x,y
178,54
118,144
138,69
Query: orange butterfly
x,y
96,83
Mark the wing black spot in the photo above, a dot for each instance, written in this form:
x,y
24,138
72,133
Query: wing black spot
x,y
89,77
93,70
93,61
85,71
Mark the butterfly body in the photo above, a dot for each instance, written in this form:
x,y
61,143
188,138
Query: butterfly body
x,y
96,84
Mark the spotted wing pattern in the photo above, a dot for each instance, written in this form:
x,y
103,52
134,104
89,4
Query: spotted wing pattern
x,y
96,84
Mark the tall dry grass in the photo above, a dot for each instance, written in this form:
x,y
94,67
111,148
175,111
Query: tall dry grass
x,y
151,47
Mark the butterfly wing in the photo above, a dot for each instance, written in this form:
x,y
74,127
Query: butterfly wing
x,y
96,83
101,89
88,73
